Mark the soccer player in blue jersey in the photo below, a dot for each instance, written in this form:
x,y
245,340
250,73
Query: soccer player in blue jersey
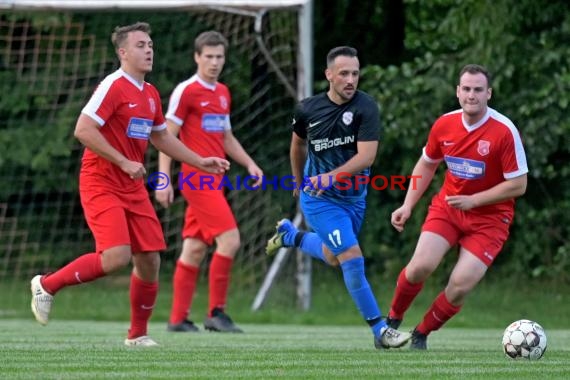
x,y
335,138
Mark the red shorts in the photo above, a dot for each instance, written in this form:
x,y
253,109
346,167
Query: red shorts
x,y
122,219
207,216
481,234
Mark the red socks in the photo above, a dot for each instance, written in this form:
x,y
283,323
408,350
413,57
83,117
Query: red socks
x,y
438,313
183,288
85,268
219,280
143,298
403,296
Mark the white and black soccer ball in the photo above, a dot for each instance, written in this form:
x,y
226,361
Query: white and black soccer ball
x,y
524,339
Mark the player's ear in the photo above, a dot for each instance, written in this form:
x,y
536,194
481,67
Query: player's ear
x,y
121,52
328,74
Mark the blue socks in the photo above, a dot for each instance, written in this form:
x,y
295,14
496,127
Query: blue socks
x,y
359,289
311,244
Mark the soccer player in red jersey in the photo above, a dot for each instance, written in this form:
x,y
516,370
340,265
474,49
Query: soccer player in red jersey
x,y
486,171
199,112
123,114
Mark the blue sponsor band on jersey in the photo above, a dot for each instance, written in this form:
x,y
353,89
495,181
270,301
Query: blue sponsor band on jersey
x,y
139,128
465,168
212,122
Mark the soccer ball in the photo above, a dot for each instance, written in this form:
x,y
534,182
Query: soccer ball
x,y
524,339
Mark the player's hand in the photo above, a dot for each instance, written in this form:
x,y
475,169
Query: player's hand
x,y
319,183
215,165
134,169
255,171
165,196
400,216
461,202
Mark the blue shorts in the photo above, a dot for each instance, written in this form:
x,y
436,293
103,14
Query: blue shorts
x,y
336,224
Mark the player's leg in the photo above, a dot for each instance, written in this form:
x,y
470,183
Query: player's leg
x,y
338,226
219,224
147,240
187,269
439,233
480,246
143,293
109,227
467,273
227,245
430,250
310,243
184,283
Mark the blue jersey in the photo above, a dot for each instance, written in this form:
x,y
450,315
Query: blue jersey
x,y
332,132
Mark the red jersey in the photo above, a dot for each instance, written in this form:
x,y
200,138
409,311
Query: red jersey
x,y
202,110
127,112
477,156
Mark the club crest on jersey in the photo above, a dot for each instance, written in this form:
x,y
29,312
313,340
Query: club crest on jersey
x,y
224,102
152,105
483,147
347,117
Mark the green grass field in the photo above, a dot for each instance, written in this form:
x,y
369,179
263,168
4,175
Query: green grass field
x,y
94,350
84,339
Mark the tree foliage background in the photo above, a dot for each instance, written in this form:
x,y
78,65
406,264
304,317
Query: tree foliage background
x,y
411,52
525,45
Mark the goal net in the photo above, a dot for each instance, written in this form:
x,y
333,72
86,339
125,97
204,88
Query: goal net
x,y
54,53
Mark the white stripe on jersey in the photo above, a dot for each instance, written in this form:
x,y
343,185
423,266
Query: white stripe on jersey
x,y
97,98
519,149
175,100
428,158
160,127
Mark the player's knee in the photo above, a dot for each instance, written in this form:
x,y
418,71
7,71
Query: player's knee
x,y
456,291
193,256
116,258
330,258
416,274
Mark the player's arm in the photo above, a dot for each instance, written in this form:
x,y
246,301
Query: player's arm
x,y
164,160
88,133
165,194
235,150
167,143
422,175
298,156
508,189
360,161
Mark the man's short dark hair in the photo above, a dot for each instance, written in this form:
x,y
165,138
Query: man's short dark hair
x,y
209,38
345,51
475,69
121,33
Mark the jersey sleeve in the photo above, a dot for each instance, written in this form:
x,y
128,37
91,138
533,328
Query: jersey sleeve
x,y
178,105
103,102
369,129
432,151
513,157
298,124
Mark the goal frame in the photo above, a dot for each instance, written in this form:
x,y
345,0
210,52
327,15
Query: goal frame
x,y
253,8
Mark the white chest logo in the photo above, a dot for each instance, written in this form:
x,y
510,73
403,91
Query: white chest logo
x,y
224,102
347,117
483,147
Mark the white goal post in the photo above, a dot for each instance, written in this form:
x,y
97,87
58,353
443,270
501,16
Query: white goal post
x,y
251,8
